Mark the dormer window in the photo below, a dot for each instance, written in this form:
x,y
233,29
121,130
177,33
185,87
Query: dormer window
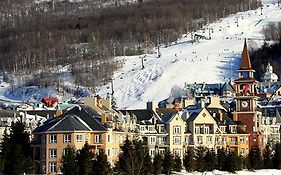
x,y
150,128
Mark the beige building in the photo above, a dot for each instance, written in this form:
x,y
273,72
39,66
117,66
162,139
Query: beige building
x,y
75,127
213,128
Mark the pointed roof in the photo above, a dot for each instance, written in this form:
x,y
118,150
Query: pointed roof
x,y
245,60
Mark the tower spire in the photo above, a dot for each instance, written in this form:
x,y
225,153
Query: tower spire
x,y
245,60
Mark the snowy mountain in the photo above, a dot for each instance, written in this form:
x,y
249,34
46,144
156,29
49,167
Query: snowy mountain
x,y
208,60
212,60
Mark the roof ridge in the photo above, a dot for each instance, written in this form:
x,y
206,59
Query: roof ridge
x,y
84,123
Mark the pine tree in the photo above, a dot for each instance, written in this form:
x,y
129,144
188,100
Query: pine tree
x,y
199,157
157,164
4,149
178,164
254,159
267,158
232,162
84,160
16,150
188,160
68,162
100,165
210,160
134,159
168,162
277,156
221,159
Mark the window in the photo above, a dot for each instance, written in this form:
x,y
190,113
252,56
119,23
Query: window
x,y
197,130
108,138
108,152
177,140
53,167
233,140
53,138
177,129
161,129
222,129
209,139
207,130
43,153
66,138
152,152
43,138
152,140
224,140
150,128
79,138
53,153
199,140
242,140
177,152
97,138
217,140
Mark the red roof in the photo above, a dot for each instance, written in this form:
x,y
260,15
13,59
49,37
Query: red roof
x,y
49,101
245,60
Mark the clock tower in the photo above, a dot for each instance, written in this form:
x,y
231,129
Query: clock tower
x,y
246,113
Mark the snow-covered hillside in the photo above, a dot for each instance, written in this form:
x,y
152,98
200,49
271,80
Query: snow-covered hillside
x,y
214,60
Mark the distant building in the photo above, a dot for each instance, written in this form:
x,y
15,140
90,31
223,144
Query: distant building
x,y
269,76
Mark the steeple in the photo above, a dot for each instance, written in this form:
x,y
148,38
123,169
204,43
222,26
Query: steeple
x,y
245,60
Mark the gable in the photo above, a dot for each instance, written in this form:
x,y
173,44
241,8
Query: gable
x,y
204,117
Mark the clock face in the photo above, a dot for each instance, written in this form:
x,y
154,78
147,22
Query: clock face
x,y
244,104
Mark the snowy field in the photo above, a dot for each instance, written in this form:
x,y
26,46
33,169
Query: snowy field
x,y
211,61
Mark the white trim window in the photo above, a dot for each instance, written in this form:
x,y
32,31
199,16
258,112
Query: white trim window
x,y
199,139
177,129
79,138
53,138
209,139
98,138
53,167
108,138
53,153
152,140
66,138
177,140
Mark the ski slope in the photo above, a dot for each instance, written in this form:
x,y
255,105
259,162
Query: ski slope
x,y
211,61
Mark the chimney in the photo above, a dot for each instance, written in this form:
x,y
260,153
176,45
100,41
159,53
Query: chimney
x,y
150,105
103,118
202,103
58,113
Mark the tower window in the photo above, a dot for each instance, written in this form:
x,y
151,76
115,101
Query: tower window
x,y
245,74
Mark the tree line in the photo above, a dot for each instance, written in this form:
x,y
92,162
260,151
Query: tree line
x,y
36,38
134,158
268,53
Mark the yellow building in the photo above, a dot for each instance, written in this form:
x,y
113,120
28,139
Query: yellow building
x,y
212,128
75,127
